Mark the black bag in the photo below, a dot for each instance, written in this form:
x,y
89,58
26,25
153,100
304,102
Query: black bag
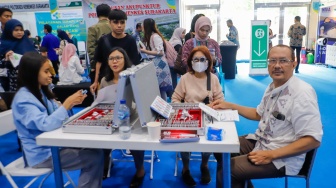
x,y
179,67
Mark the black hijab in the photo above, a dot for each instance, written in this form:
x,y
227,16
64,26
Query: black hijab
x,y
9,42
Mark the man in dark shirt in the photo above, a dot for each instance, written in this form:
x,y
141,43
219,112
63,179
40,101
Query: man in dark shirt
x,y
117,38
51,42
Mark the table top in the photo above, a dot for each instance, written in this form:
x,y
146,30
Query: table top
x,y
139,140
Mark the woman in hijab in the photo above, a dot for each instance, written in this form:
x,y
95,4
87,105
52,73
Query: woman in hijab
x,y
176,41
70,69
13,40
203,28
64,41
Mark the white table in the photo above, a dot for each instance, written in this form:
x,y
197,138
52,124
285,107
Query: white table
x,y
140,141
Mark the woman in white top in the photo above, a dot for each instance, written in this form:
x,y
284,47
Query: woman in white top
x,y
70,69
155,47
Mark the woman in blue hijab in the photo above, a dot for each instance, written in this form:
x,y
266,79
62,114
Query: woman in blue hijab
x,y
13,40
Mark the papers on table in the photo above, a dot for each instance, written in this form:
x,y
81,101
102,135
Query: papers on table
x,y
15,59
106,95
220,115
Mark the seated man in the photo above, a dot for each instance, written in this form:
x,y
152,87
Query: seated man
x,y
289,125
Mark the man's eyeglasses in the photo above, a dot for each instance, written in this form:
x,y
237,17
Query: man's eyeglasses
x,y
201,59
121,22
117,58
281,61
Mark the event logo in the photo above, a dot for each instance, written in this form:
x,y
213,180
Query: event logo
x,y
56,15
91,5
171,4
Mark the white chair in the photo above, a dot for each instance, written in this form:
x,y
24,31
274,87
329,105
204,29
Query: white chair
x,y
17,169
128,158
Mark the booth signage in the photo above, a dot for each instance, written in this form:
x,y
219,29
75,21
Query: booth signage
x,y
259,47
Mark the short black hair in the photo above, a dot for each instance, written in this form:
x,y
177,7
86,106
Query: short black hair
x,y
138,25
43,49
229,21
297,18
27,32
103,10
3,9
117,14
47,27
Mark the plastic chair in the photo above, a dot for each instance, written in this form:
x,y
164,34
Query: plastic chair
x,y
305,170
129,158
17,169
193,157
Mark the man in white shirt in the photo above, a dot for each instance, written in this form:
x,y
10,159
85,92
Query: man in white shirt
x,y
289,125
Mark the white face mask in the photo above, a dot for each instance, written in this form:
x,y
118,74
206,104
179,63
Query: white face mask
x,y
200,66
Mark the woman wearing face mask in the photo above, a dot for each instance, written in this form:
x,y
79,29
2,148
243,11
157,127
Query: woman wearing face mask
x,y
13,40
203,28
192,88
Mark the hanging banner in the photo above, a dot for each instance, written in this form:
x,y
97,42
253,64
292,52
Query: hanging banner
x,y
259,47
26,7
65,9
75,26
326,29
164,12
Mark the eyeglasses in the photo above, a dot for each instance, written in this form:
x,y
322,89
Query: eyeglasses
x,y
116,58
201,59
281,61
121,22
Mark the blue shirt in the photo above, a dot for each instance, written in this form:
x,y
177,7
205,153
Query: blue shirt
x,y
51,42
31,119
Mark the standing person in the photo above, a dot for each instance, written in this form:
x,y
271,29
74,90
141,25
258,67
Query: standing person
x,y
193,88
233,33
289,125
270,36
203,28
137,33
296,33
176,41
74,41
35,111
64,40
70,69
51,42
155,47
94,33
191,33
13,40
5,15
117,38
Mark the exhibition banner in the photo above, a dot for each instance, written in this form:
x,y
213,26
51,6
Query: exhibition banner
x,y
26,7
65,9
326,29
164,12
259,47
75,26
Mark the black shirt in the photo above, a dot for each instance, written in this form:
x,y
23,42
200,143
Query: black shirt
x,y
102,51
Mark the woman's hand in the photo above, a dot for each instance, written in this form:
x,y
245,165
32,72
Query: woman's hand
x,y
8,54
74,99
